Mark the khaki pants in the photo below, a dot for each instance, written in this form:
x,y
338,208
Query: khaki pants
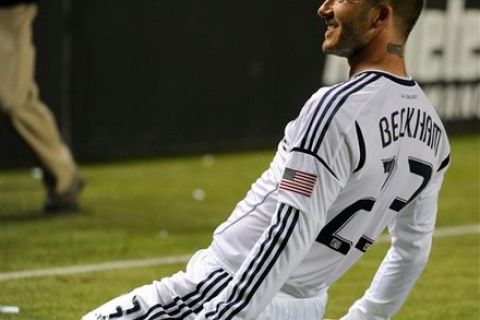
x,y
19,97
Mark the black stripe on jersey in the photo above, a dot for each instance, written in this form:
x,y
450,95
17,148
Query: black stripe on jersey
x,y
323,162
286,220
199,294
267,270
193,307
303,144
335,102
267,241
190,308
361,147
444,163
338,106
345,91
324,105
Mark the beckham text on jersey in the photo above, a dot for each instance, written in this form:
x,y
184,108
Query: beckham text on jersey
x,y
412,123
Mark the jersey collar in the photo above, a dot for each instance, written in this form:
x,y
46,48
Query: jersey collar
x,y
405,81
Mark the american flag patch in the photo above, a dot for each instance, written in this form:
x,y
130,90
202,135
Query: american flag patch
x,y
298,181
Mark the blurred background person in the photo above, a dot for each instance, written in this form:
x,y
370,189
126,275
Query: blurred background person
x,y
20,101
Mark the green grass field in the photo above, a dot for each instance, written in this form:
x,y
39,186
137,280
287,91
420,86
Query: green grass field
x,y
144,209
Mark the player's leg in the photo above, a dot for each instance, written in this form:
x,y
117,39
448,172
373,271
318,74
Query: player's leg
x,y
288,307
20,100
35,123
180,296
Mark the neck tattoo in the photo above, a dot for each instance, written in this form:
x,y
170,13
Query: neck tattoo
x,y
397,49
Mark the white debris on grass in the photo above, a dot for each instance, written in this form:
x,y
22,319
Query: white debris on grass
x,y
37,173
208,160
199,194
9,309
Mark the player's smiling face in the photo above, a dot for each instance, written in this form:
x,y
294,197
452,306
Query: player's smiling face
x,y
346,25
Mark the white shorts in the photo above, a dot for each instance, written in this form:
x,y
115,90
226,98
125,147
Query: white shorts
x,y
182,296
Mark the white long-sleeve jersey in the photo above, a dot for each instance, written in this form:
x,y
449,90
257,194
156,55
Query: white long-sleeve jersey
x,y
362,155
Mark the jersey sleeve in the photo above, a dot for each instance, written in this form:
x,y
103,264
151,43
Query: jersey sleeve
x,y
310,183
411,238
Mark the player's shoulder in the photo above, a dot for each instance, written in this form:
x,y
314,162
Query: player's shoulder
x,y
328,115
340,104
349,94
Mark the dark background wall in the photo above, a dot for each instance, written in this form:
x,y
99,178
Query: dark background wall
x,y
128,79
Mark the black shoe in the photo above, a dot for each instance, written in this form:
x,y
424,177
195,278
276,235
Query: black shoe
x,y
66,202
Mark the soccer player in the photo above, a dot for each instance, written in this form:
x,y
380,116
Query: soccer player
x,y
362,155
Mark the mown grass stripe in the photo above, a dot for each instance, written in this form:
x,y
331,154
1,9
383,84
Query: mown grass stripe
x,y
141,263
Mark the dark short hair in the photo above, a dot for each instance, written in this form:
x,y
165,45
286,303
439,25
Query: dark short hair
x,y
406,13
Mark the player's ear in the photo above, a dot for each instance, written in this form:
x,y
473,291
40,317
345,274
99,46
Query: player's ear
x,y
382,14
379,17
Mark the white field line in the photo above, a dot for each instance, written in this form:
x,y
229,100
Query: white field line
x,y
446,232
140,263
121,264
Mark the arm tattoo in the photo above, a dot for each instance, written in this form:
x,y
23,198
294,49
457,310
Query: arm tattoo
x,y
397,49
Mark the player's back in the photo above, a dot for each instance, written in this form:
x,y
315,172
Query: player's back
x,y
372,144
396,144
